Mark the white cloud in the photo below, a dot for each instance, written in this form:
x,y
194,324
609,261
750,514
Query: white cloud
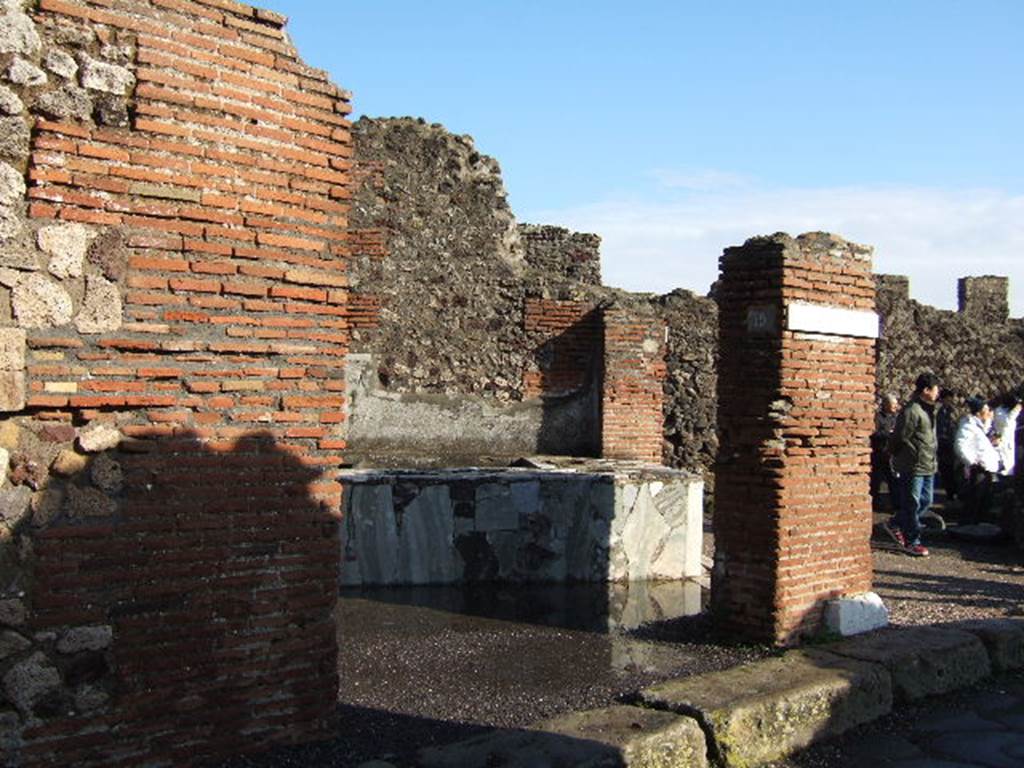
x,y
934,236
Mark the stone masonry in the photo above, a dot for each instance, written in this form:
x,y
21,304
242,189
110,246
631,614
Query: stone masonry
x,y
975,350
173,325
484,340
584,521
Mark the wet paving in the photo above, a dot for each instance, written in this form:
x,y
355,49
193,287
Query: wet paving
x,y
424,666
457,659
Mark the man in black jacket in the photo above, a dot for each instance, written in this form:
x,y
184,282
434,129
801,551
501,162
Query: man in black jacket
x,y
915,460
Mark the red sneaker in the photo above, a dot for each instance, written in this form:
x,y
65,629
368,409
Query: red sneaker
x,y
895,534
916,550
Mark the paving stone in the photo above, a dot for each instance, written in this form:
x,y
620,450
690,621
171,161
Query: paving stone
x,y
14,505
89,502
63,103
1003,639
81,639
98,437
923,661
615,736
107,474
764,711
14,137
12,643
68,462
60,63
30,680
13,612
12,191
993,750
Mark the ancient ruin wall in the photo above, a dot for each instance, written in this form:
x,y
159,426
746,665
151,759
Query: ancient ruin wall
x,y
483,338
977,349
173,324
473,319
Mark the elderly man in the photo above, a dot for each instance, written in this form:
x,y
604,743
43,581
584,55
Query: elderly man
x,y
916,461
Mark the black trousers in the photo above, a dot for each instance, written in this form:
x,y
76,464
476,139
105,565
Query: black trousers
x,y
977,494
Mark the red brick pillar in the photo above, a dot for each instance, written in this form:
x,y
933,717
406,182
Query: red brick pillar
x,y
796,385
634,373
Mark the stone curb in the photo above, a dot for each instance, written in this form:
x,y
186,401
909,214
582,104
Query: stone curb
x,y
759,712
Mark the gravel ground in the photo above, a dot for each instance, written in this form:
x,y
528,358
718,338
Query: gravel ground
x,y
414,674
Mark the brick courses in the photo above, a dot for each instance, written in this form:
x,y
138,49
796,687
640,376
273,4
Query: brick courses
x,y
632,389
220,213
792,510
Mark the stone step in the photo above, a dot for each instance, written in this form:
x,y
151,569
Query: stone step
x,y
764,711
630,737
923,661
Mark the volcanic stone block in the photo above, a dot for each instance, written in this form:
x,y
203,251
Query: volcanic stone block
x,y
617,736
923,661
765,711
1003,639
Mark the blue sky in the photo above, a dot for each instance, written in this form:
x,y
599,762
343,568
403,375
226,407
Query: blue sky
x,y
675,129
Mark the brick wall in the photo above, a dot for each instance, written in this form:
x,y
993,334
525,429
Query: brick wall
x,y
632,389
567,337
792,511
177,274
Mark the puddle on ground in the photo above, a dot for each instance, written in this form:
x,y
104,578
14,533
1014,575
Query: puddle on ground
x,y
593,607
510,654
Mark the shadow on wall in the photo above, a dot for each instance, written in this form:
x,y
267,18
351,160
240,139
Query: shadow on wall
x,y
180,596
569,380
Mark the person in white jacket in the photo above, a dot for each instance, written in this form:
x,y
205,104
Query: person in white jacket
x,y
979,457
1004,427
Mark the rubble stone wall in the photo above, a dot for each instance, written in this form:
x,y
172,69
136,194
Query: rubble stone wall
x,y
173,326
476,339
488,338
977,350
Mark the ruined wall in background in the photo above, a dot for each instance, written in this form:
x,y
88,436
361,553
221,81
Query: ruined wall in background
x,y
173,325
976,350
690,402
477,321
483,339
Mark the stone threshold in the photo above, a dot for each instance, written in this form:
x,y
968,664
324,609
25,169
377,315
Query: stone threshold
x,y
756,713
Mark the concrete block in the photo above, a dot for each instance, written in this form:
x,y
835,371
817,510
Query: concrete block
x,y
856,615
616,736
923,661
764,711
1002,638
